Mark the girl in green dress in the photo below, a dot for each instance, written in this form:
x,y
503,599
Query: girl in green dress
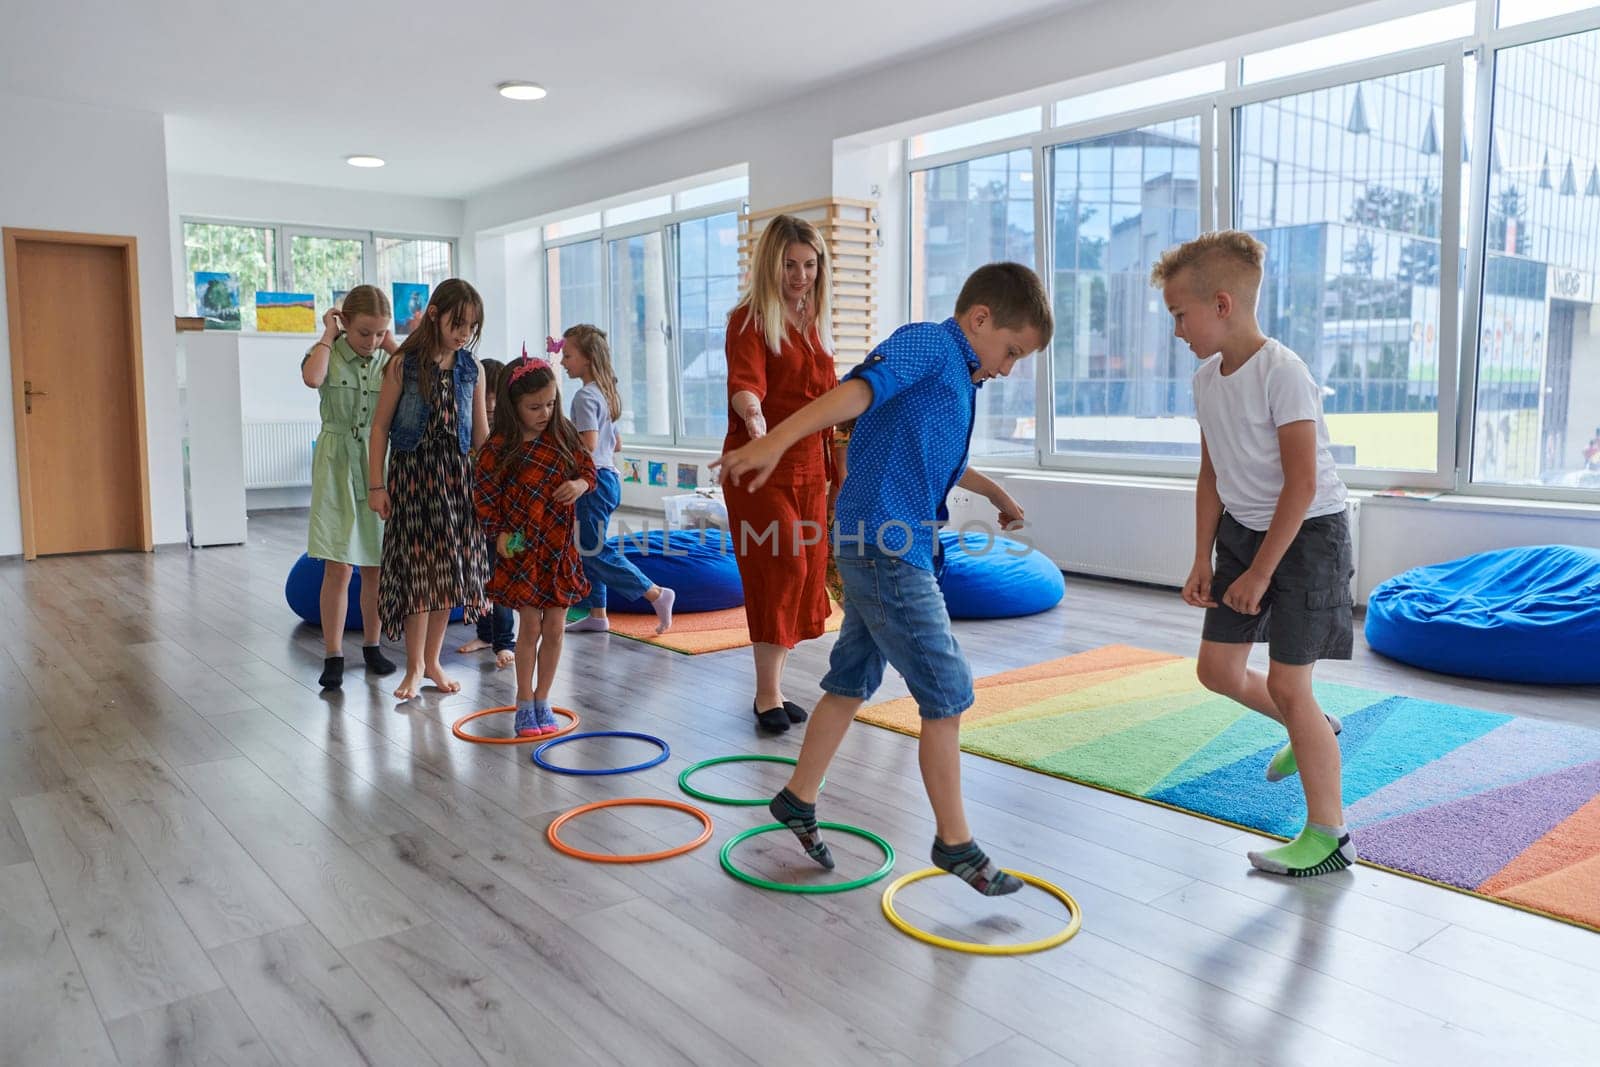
x,y
346,369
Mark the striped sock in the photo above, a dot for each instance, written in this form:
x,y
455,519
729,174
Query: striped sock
x,y
968,863
801,818
1318,850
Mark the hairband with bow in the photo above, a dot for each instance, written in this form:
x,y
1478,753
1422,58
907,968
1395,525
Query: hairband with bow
x,y
526,365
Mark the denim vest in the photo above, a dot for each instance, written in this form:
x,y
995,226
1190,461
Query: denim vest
x,y
411,414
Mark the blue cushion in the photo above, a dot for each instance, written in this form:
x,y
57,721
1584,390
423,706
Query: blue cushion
x,y
303,591
698,565
996,578
1513,615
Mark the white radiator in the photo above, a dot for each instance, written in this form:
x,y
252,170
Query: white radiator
x,y
277,452
1138,531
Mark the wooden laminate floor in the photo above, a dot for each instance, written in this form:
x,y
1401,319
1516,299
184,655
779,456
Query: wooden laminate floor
x,y
204,859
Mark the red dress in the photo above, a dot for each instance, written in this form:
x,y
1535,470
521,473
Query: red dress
x,y
548,572
784,578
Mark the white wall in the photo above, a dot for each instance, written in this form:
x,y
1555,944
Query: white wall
x,y
208,196
91,170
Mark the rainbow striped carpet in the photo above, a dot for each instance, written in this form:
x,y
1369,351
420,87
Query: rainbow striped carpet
x,y
1502,807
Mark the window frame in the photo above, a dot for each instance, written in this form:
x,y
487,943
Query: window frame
x,y
667,225
283,234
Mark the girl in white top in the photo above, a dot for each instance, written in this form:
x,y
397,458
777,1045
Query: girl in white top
x,y
586,356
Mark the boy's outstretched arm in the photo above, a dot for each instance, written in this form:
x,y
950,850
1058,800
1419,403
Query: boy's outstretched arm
x,y
751,465
978,482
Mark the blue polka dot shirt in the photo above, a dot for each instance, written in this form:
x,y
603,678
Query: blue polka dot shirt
x,y
909,448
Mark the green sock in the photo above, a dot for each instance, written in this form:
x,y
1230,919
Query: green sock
x,y
1318,850
1283,764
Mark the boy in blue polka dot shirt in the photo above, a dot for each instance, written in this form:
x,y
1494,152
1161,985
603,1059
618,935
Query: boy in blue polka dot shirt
x,y
914,400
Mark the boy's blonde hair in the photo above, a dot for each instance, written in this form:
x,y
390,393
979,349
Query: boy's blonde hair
x,y
1228,261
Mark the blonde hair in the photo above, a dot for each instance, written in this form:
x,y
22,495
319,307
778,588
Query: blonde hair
x,y
366,300
763,299
1229,261
591,341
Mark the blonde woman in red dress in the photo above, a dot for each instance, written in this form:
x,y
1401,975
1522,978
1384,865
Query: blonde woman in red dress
x,y
780,358
530,475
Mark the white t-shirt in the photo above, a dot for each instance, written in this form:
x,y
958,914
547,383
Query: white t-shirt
x,y
1240,414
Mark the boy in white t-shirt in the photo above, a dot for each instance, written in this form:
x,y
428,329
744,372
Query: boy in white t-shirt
x,y
1270,502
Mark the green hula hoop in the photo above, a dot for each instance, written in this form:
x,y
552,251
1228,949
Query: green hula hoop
x,y
827,887
710,798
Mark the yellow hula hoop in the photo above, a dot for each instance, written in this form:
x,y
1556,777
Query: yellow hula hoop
x,y
975,947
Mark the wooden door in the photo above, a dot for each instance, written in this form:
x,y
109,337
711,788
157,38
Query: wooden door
x,y
77,378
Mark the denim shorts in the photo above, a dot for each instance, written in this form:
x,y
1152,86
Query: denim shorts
x,y
894,613
1306,610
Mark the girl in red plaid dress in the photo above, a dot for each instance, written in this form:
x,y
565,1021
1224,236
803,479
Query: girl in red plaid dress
x,y
529,477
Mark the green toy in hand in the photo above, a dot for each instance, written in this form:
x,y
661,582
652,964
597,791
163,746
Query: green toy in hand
x,y
516,543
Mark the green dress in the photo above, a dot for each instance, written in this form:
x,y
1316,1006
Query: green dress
x,y
343,528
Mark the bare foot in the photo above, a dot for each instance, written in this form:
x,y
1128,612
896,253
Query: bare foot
x,y
409,687
441,680
504,658
475,645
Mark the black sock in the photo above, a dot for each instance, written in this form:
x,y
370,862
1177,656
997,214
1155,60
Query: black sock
x,y
332,672
377,662
794,711
801,817
773,720
968,863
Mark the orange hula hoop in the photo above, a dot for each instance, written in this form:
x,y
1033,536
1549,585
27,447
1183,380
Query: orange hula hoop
x,y
479,739
554,833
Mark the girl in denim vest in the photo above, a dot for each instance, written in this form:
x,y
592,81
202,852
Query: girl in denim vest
x,y
430,417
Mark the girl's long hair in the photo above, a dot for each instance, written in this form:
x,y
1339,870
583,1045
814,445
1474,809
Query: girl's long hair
x,y
591,341
454,298
763,300
521,377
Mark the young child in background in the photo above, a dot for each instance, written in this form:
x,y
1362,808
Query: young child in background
x,y
913,401
1270,503
346,369
497,627
530,476
586,356
431,414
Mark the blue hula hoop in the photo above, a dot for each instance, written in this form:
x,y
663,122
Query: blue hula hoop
x,y
540,761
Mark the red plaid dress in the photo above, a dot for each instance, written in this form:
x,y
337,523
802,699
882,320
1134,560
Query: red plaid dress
x,y
548,572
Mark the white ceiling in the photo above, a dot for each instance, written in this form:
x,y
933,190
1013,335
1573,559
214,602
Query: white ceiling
x,y
284,91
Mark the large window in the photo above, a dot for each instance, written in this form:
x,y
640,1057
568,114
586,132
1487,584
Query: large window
x,y
660,276
323,266
248,253
964,215
282,258
1437,267
1537,418
1345,187
1121,379
639,334
708,287
575,284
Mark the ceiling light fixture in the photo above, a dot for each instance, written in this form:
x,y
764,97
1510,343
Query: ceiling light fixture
x,y
521,91
363,161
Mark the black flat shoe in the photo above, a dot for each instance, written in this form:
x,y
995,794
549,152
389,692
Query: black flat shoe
x,y
772,721
796,713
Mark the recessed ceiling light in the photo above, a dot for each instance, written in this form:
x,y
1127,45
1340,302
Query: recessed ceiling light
x,y
363,161
522,91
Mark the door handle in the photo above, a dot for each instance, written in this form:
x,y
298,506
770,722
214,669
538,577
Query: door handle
x,y
28,393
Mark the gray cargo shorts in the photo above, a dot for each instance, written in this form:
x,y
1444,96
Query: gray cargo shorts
x,y
1306,610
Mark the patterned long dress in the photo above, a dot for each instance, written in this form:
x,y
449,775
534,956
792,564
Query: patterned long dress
x,y
434,556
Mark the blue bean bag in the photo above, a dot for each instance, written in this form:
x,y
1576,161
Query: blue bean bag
x,y
996,577
303,591
698,565
1512,615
